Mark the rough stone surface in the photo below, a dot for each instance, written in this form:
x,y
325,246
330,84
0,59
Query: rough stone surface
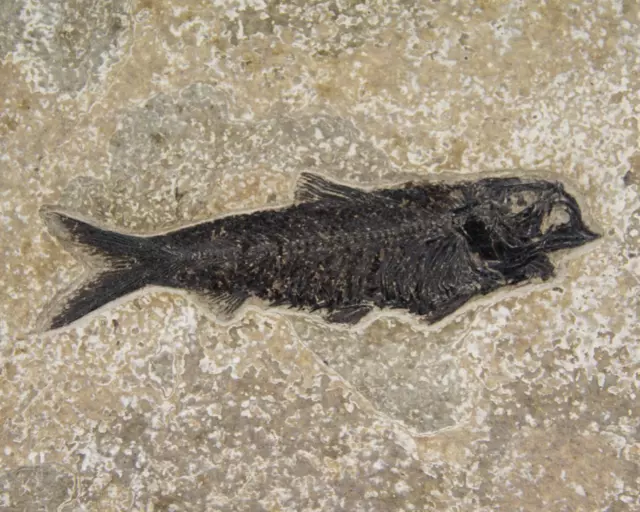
x,y
150,114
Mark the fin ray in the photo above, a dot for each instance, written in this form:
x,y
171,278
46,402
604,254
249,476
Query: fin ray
x,y
89,296
312,187
348,315
223,305
120,264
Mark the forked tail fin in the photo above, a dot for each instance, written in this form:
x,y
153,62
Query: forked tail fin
x,y
120,264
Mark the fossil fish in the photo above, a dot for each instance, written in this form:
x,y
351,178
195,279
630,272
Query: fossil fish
x,y
423,247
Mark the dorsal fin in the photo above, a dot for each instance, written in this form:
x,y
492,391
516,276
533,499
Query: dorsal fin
x,y
312,187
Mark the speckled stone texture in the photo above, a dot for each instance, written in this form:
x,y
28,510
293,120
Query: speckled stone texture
x,y
151,114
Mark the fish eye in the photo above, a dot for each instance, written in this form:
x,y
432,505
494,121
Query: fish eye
x,y
521,200
559,215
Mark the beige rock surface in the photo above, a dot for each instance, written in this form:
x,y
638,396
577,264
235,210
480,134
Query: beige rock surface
x,y
150,114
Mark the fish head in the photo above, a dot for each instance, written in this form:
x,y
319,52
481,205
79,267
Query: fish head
x,y
562,225
535,214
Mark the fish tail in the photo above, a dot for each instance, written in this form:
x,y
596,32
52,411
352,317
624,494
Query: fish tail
x,y
119,265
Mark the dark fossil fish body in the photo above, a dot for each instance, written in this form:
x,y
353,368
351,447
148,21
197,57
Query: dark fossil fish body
x,y
426,248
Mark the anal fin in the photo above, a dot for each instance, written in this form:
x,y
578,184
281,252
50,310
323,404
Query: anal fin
x,y
223,305
348,315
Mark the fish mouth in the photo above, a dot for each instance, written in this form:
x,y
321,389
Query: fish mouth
x,y
570,238
586,235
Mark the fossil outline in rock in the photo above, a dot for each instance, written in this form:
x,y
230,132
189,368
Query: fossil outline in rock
x,y
424,247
